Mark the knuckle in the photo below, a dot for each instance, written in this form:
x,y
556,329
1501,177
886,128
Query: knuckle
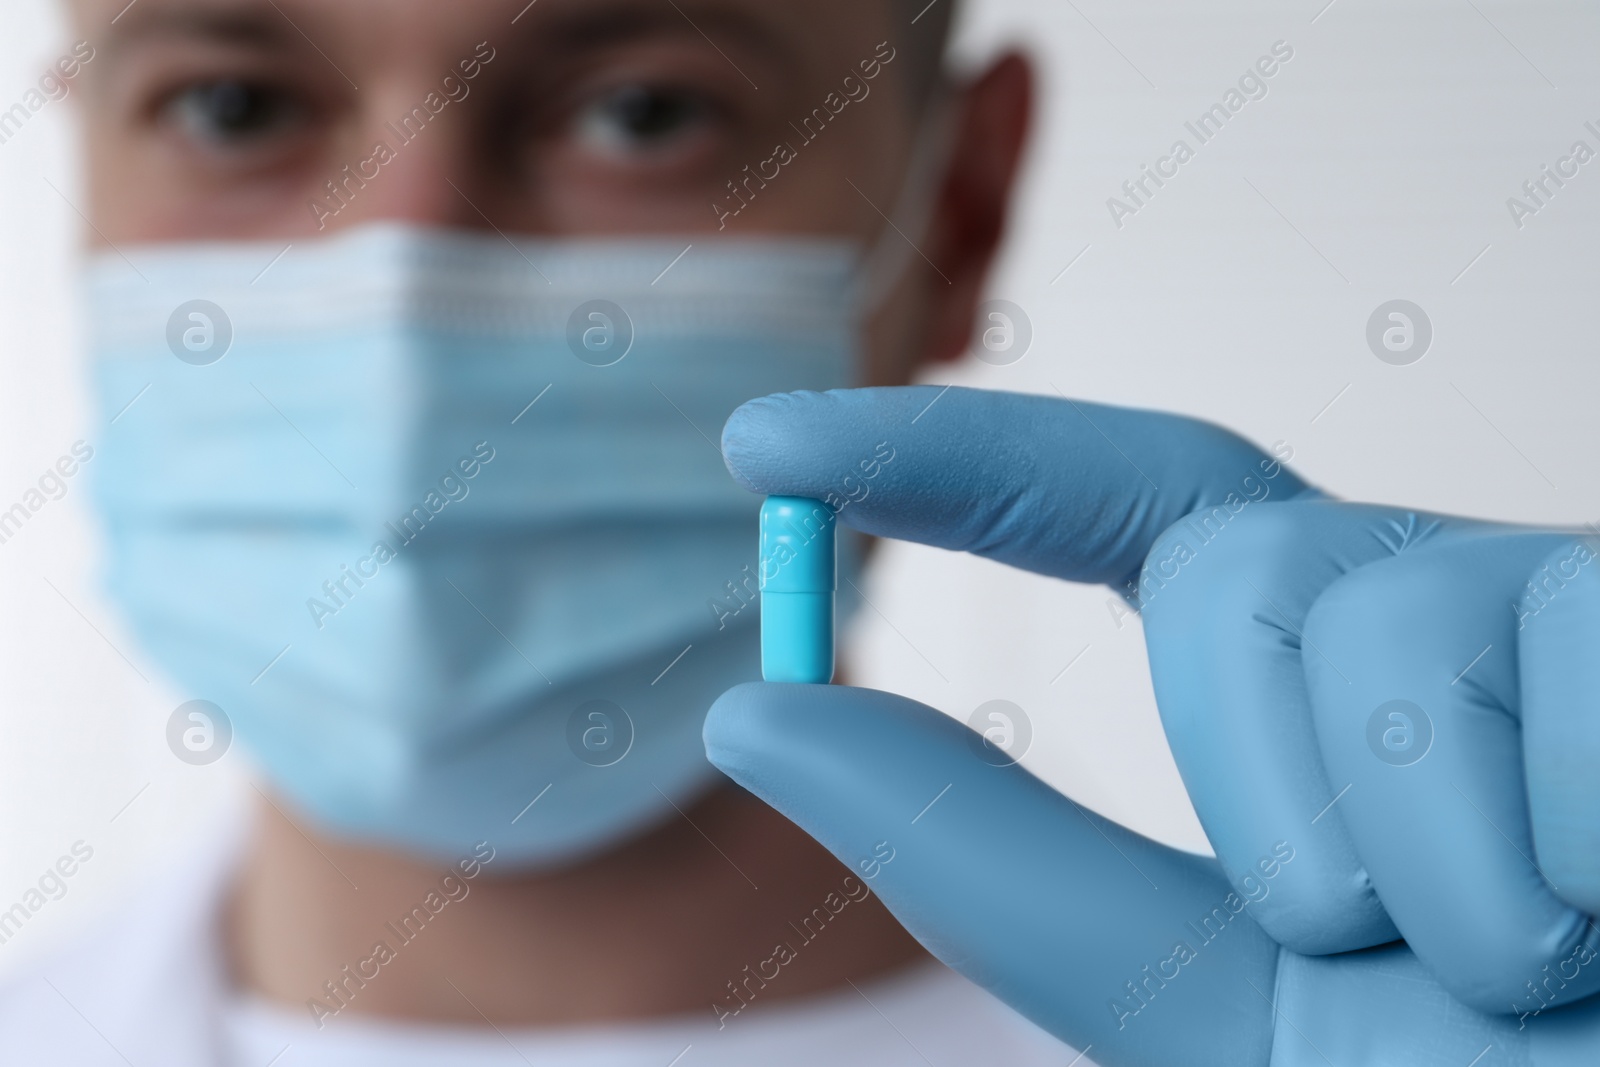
x,y
1377,604
1203,564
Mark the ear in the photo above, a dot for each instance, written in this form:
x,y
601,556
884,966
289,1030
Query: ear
x,y
992,115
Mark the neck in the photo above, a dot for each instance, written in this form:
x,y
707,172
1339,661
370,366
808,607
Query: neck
x,y
666,924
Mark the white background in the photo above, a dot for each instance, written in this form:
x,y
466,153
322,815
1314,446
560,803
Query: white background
x,y
1378,166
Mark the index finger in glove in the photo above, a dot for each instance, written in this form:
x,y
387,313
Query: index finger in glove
x,y
1061,487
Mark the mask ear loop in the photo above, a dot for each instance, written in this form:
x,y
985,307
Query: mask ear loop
x,y
884,263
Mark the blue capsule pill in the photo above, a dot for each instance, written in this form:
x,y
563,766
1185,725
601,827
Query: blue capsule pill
x,y
797,582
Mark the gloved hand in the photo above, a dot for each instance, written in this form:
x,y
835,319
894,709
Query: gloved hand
x,y
1282,628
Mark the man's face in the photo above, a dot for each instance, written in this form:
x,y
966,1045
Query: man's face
x,y
227,119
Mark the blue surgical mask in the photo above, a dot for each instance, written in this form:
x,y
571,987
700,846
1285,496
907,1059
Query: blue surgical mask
x,y
439,520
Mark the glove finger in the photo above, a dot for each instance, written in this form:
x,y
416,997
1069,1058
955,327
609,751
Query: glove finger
x,y
1134,952
1558,615
1416,702
1381,1008
1065,488
1225,596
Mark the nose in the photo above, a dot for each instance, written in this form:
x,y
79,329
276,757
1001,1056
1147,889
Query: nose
x,y
412,160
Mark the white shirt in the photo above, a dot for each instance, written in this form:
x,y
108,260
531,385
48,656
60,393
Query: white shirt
x,y
149,988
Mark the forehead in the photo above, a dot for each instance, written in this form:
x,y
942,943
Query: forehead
x,y
760,31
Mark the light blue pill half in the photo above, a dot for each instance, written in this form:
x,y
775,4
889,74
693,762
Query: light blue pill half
x,y
799,574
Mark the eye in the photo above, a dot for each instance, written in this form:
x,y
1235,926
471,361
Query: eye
x,y
640,118
230,113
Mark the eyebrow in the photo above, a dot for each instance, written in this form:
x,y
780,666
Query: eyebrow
x,y
595,25
711,24
591,24
256,24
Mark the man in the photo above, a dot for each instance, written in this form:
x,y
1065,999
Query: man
x,y
626,907
428,510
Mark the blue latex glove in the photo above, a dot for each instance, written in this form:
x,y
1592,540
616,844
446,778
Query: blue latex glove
x,y
1277,629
